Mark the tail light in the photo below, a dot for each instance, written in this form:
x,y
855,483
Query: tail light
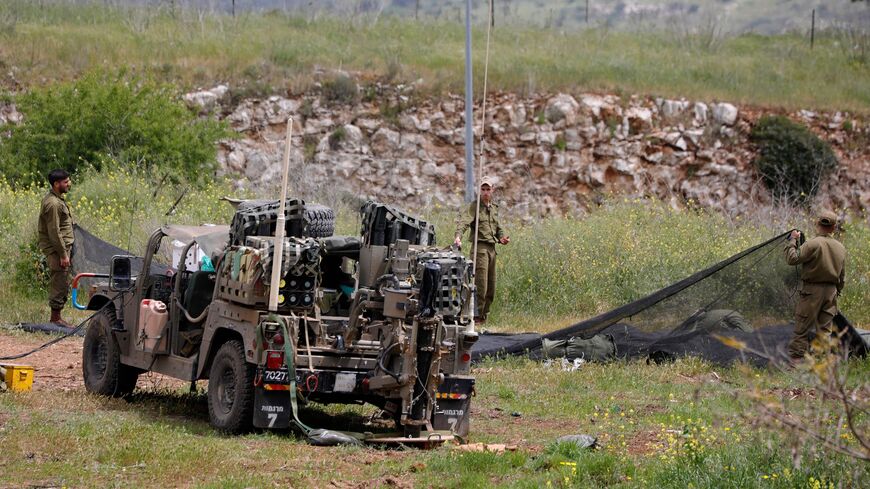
x,y
278,339
274,359
466,357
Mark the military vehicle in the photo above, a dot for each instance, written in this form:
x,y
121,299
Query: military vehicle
x,y
380,319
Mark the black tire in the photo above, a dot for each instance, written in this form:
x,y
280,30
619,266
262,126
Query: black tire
x,y
231,390
320,221
103,372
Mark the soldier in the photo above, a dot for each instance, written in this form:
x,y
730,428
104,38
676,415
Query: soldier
x,y
822,261
56,237
489,232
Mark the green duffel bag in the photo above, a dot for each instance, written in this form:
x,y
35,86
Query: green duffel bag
x,y
599,348
553,348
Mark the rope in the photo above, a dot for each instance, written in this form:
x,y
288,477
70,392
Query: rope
x,y
481,152
65,336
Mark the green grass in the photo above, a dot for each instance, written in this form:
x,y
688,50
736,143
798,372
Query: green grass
x,y
266,52
670,425
675,425
556,271
560,270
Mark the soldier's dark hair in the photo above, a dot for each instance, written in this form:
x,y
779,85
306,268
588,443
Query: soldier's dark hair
x,y
57,175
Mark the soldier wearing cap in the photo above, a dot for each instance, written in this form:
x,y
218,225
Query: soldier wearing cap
x,y
55,232
822,260
489,232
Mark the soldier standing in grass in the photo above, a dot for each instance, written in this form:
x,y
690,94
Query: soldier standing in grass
x,y
56,238
489,232
822,260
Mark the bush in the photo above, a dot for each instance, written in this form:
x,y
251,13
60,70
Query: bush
x,y
30,270
340,90
109,118
791,159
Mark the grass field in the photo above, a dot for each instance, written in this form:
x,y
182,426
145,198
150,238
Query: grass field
x,y
681,424
676,425
555,271
673,425
260,53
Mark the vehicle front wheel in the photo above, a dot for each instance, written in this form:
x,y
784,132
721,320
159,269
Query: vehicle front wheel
x,y
231,390
103,372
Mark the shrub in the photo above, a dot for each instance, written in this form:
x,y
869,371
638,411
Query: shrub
x,y
791,159
337,137
100,118
340,90
30,270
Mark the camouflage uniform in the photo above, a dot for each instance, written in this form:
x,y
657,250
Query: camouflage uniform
x,y
822,261
489,233
56,238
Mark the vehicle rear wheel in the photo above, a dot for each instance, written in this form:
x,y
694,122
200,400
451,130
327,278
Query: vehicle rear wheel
x,y
103,372
231,390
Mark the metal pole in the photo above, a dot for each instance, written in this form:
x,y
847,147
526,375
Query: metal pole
x,y
469,110
492,14
587,11
813,30
278,253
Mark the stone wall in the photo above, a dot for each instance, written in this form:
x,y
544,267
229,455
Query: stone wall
x,y
549,154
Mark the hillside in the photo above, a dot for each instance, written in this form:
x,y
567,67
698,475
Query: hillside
x,y
729,16
264,53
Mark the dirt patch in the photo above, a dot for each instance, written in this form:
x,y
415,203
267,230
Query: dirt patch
x,y
653,408
385,481
643,442
794,393
59,366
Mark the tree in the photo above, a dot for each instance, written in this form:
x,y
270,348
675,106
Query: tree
x,y
109,117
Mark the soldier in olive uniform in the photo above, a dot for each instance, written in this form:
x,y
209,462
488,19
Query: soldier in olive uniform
x,y
489,232
56,237
822,260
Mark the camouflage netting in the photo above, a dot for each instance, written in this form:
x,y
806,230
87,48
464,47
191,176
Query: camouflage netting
x,y
749,297
93,255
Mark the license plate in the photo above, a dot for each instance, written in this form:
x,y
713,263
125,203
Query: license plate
x,y
344,382
276,376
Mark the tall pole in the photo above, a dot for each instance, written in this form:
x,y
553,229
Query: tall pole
x,y
278,246
813,30
492,14
469,110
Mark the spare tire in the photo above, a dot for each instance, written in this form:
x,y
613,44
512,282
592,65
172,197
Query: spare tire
x,y
319,220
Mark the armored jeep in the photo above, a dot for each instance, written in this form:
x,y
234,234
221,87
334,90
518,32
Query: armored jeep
x,y
380,319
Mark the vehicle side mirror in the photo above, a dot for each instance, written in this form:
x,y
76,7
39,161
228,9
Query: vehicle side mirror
x,y
120,274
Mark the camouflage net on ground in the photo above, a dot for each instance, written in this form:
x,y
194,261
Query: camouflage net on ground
x,y
749,297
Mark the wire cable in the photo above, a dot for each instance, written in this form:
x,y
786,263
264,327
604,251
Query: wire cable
x,y
65,336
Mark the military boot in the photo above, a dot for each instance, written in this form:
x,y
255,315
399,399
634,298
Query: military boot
x,y
56,319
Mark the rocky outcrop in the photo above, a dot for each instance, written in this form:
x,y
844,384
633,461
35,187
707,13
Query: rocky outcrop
x,y
551,153
9,115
